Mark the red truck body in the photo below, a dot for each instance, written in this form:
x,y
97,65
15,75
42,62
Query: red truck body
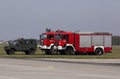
x,y
61,42
83,43
46,41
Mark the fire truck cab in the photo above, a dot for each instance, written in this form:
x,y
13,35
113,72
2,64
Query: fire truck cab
x,y
96,43
46,41
64,43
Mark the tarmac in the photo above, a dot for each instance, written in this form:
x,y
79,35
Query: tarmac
x,y
44,68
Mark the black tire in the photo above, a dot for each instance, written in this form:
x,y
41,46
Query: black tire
x,y
77,53
10,52
26,52
62,52
30,52
47,52
69,51
99,51
53,50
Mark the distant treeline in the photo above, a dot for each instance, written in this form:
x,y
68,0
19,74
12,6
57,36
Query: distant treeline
x,y
116,40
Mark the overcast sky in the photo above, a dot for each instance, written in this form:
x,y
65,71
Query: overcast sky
x,y
29,18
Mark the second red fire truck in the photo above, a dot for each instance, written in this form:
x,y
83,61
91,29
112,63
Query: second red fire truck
x,y
96,43
47,41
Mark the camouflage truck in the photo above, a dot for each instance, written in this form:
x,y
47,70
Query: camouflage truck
x,y
29,46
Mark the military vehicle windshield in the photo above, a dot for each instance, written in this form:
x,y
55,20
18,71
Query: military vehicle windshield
x,y
13,42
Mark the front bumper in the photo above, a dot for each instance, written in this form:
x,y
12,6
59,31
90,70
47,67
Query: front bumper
x,y
44,47
60,48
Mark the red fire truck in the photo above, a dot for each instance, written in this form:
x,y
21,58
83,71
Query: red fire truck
x,y
46,41
96,43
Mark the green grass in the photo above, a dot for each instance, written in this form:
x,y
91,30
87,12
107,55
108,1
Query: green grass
x,y
114,55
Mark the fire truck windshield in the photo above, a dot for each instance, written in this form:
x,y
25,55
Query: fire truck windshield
x,y
43,36
58,36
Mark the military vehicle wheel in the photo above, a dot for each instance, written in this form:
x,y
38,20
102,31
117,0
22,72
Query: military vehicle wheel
x,y
30,52
10,52
98,51
69,51
26,52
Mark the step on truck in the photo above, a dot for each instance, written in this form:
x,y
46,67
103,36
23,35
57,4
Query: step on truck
x,y
29,46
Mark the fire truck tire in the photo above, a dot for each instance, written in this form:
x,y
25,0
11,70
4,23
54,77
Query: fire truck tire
x,y
53,50
98,51
69,51
62,52
77,53
47,52
10,52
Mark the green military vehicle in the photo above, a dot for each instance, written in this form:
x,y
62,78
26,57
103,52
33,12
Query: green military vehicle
x,y
29,46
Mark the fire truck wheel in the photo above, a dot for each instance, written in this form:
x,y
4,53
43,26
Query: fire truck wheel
x,y
53,50
62,52
10,52
69,51
99,51
47,52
